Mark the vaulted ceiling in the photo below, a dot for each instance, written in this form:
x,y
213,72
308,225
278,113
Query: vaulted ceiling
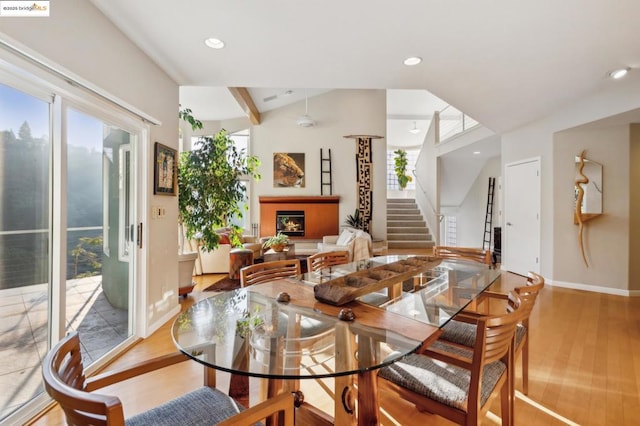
x,y
503,62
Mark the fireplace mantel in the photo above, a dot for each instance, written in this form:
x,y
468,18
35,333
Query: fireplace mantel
x,y
320,199
321,214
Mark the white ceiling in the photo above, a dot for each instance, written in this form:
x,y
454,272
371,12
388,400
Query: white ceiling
x,y
503,62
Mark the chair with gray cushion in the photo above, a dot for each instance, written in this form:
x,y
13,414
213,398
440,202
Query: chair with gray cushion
x,y
459,383
461,330
65,382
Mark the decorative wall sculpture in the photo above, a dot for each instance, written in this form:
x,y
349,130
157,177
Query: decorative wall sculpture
x,y
588,196
364,178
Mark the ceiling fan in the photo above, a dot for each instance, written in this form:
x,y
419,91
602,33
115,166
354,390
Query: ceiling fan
x,y
306,120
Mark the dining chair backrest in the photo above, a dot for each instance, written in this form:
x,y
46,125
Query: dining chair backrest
x,y
458,385
499,330
325,259
65,381
269,271
63,373
464,253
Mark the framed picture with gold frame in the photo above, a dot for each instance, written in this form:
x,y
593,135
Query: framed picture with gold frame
x,y
165,170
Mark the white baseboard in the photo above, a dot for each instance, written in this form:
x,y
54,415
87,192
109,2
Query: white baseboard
x,y
588,287
594,288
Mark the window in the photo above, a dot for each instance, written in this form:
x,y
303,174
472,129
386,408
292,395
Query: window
x,y
392,178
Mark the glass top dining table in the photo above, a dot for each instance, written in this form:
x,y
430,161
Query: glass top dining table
x,y
249,332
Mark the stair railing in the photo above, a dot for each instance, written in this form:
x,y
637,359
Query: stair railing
x,y
453,122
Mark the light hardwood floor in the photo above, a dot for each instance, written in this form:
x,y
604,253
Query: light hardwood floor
x,y
584,365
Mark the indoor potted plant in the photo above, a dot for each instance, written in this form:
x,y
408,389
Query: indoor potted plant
x,y
277,243
400,161
210,188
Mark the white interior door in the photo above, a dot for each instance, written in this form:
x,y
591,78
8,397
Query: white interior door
x,y
521,249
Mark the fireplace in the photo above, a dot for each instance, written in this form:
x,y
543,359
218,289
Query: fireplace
x,y
290,222
320,215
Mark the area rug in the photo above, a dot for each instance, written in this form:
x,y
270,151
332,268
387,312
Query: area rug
x,y
225,284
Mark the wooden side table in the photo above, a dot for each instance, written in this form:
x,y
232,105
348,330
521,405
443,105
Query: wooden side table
x,y
288,253
238,259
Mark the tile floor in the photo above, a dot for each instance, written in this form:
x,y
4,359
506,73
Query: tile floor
x,y
23,334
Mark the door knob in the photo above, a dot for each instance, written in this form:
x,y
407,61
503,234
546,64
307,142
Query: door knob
x,y
508,223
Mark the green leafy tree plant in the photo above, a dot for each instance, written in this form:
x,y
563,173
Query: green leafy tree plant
x,y
210,186
400,162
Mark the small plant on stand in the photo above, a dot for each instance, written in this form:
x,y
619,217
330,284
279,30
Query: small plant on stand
x,y
277,242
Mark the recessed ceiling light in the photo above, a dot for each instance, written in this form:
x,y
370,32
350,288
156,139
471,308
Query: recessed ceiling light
x,y
214,43
413,60
619,73
476,152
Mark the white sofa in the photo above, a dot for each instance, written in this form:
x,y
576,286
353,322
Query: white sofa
x,y
355,241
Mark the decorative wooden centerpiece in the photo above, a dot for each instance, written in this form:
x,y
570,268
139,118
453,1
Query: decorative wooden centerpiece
x,y
345,289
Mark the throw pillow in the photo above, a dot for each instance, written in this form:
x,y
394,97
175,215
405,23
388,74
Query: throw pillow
x,y
345,238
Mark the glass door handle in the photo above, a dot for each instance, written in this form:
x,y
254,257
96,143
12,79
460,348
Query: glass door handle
x,y
140,235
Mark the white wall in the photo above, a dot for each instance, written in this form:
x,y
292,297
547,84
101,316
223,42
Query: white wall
x,y
338,113
537,140
606,237
80,39
427,191
634,209
471,213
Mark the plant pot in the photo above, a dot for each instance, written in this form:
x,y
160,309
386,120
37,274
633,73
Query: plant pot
x,y
278,247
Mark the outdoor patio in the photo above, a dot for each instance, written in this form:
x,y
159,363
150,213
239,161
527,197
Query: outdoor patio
x,y
23,334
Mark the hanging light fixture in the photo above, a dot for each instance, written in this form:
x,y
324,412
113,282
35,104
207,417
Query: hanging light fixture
x,y
305,120
415,129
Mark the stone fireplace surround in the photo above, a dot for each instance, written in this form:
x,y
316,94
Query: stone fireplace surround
x,y
320,214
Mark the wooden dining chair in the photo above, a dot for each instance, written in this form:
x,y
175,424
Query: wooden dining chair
x,y
464,253
269,271
459,383
461,330
325,259
65,382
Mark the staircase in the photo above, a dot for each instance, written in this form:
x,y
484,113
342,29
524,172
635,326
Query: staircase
x,y
406,229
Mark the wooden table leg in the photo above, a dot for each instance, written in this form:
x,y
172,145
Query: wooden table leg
x,y
344,410
368,405
239,384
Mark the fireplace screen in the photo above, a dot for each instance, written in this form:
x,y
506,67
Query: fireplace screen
x,y
290,222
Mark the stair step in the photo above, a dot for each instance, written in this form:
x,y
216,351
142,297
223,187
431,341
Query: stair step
x,y
402,205
410,244
409,237
400,200
407,229
402,211
409,223
404,217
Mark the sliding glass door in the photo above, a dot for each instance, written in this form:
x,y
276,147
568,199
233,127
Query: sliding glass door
x,y
99,233
67,233
25,154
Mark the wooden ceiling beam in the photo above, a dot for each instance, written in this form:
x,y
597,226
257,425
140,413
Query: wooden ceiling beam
x,y
243,97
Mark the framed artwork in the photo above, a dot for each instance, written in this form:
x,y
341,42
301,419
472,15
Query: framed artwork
x,y
288,170
165,171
